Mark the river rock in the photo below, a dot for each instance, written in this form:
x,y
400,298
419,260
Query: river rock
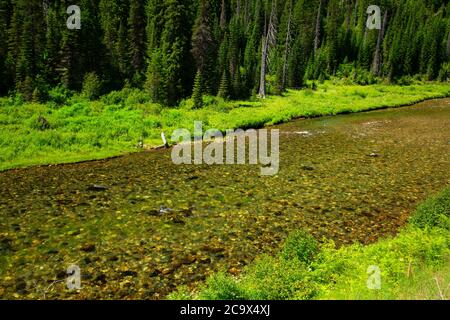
x,y
97,187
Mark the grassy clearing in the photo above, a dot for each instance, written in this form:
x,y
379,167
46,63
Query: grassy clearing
x,y
414,265
75,129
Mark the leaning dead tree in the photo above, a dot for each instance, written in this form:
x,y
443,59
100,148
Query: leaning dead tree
x,y
268,42
376,66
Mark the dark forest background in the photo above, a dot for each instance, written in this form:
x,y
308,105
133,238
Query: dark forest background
x,y
174,48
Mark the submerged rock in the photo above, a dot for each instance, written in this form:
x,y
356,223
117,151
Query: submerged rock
x,y
88,247
97,187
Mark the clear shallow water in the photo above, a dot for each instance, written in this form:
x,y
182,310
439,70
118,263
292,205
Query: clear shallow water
x,y
224,216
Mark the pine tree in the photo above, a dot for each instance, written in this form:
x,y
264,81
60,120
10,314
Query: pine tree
x,y
156,83
224,88
136,25
197,94
5,79
175,49
204,47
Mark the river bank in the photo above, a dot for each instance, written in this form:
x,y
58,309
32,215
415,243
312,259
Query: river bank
x,y
80,130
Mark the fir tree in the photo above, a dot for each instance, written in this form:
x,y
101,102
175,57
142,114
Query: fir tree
x,y
197,94
224,87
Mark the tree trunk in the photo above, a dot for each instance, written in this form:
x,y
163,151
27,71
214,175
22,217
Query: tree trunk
x,y
376,66
262,82
223,16
448,44
268,41
286,49
317,33
356,14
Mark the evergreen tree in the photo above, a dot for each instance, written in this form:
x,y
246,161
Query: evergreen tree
x,y
197,94
5,79
204,46
136,36
224,87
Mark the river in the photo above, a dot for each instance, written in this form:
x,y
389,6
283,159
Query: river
x,y
349,178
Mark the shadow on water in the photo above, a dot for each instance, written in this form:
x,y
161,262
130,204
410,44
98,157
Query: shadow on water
x,y
347,178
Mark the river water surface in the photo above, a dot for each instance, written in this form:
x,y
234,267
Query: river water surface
x,y
348,178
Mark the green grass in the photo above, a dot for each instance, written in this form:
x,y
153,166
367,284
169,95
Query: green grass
x,y
413,265
83,130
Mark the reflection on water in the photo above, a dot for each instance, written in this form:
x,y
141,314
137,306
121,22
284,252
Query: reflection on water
x,y
156,226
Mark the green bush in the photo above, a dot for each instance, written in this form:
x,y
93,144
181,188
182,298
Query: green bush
x,y
38,122
267,278
59,95
363,77
405,81
444,73
92,86
360,94
115,97
222,287
300,245
136,97
434,212
277,279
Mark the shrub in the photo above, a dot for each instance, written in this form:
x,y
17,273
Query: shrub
x,y
38,122
444,73
300,245
277,279
136,97
222,287
92,86
363,77
360,94
59,95
115,97
434,212
405,81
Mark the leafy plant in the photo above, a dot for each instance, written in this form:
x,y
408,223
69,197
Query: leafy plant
x,y
434,212
92,86
300,245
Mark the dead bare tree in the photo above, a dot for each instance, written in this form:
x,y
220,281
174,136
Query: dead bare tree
x,y
287,47
448,44
317,33
268,42
376,66
355,14
223,15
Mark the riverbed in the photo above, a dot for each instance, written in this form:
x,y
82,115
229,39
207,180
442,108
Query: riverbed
x,y
139,226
